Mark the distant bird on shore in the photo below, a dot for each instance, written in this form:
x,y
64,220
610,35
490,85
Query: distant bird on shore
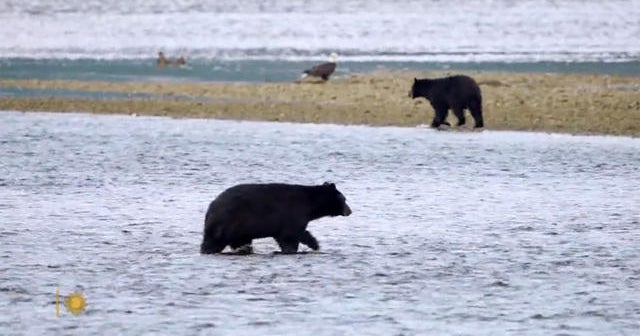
x,y
323,70
163,61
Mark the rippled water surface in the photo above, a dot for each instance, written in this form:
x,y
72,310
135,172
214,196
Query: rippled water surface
x,y
424,30
465,233
275,40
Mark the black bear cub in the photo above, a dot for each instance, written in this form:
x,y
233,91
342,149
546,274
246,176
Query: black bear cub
x,y
282,211
455,92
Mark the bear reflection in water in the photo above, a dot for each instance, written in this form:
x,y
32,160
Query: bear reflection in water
x,y
456,93
282,211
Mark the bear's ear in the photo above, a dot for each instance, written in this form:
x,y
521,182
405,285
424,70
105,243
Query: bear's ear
x,y
415,79
329,184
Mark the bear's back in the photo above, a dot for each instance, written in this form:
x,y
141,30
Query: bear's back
x,y
256,207
465,85
452,90
259,191
249,194
276,199
459,83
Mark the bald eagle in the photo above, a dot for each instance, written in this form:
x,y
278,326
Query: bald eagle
x,y
323,70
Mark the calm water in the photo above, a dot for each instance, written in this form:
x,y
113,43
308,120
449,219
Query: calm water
x,y
481,30
453,233
275,40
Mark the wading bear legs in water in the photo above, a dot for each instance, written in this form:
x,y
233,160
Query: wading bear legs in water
x,y
287,245
309,240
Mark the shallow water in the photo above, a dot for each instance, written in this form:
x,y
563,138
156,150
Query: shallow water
x,y
262,71
466,233
274,41
419,30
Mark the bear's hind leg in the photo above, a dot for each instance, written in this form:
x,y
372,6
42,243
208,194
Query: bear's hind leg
x,y
212,241
459,113
242,246
308,239
476,113
212,246
288,245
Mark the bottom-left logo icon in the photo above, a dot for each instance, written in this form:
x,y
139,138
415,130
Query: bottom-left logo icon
x,y
74,302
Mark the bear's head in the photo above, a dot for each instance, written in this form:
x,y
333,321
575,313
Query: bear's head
x,y
419,88
335,204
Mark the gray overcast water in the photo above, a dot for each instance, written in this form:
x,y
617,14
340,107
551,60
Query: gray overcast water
x,y
453,233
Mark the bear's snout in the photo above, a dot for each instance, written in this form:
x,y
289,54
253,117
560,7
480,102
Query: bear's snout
x,y
346,211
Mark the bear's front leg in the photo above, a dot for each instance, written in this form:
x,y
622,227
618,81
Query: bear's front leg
x,y
440,118
288,244
308,239
436,124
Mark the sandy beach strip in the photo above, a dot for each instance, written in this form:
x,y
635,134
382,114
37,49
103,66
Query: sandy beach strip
x,y
567,103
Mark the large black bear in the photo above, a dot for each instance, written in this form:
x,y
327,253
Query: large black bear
x,y
455,92
282,211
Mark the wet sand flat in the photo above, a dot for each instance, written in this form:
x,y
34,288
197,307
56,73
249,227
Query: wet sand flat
x,y
567,103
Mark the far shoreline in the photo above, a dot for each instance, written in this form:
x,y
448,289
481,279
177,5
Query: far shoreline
x,y
584,104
